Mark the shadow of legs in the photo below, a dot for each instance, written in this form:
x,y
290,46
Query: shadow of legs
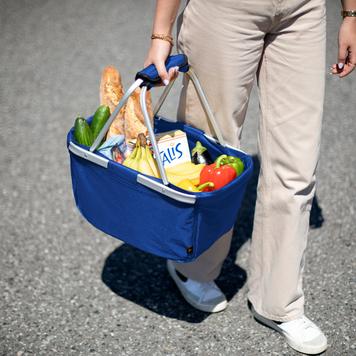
x,y
142,278
316,220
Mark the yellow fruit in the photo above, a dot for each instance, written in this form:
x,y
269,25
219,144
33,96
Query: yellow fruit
x,y
186,168
152,163
176,178
141,158
143,166
195,181
128,161
136,159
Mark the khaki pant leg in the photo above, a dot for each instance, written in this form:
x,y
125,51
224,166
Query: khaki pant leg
x,y
208,266
291,85
225,58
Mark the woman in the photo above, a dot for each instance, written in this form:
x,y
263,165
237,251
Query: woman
x,y
282,43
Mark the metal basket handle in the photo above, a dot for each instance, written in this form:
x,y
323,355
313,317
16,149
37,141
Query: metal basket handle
x,y
148,78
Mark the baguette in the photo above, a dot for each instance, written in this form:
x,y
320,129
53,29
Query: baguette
x,y
134,123
111,92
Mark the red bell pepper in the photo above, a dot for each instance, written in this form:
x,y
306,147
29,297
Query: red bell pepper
x,y
217,173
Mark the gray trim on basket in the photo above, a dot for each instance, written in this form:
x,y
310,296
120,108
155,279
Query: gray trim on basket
x,y
89,156
163,189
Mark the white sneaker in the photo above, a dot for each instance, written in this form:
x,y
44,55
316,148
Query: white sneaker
x,y
204,296
301,334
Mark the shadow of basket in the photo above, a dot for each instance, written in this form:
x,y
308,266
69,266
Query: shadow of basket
x,y
142,278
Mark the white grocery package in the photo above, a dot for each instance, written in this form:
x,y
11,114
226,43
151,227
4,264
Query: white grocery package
x,y
173,147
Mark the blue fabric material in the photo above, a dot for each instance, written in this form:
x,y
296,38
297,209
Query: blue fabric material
x,y
112,200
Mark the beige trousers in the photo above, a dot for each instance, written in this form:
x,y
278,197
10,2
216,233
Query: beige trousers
x,y
282,43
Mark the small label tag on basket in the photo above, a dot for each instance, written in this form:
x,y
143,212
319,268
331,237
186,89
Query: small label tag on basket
x,y
173,147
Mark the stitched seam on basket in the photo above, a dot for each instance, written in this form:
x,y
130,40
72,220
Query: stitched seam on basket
x,y
195,224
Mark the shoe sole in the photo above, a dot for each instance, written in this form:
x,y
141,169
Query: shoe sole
x,y
270,323
205,308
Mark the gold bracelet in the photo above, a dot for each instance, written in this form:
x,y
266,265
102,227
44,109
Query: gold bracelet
x,y
348,13
159,36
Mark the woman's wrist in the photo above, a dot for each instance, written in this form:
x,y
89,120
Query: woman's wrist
x,y
351,20
348,13
164,30
162,37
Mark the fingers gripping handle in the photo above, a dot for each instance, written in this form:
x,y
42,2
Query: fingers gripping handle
x,y
150,76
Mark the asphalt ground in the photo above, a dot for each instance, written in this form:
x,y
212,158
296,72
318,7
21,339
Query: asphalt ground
x,y
65,287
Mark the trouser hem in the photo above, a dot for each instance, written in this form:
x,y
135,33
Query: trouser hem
x,y
288,317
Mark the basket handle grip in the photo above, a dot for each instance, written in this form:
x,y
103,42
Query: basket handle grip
x,y
150,76
151,134
147,78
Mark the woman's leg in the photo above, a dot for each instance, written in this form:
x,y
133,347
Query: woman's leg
x,y
291,85
223,44
208,266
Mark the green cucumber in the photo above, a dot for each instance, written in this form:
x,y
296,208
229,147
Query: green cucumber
x,y
82,132
100,117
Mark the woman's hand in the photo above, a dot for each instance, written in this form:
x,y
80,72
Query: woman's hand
x,y
157,55
347,48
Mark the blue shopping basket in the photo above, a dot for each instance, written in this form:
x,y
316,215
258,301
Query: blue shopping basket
x,y
151,213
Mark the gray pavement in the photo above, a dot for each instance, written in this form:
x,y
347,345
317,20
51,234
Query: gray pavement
x,y
65,287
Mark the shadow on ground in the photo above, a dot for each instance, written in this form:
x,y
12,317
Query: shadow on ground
x,y
142,278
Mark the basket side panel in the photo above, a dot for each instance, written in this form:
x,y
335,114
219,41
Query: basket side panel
x,y
217,216
216,212
112,201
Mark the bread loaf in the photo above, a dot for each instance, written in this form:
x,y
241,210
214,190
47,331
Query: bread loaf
x,y
134,122
129,121
111,92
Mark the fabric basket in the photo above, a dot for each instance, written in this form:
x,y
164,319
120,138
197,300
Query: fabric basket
x,y
150,213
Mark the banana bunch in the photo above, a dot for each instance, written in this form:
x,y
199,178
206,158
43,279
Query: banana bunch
x,y
141,158
186,170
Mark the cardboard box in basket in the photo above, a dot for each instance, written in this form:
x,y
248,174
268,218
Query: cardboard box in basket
x,y
173,147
